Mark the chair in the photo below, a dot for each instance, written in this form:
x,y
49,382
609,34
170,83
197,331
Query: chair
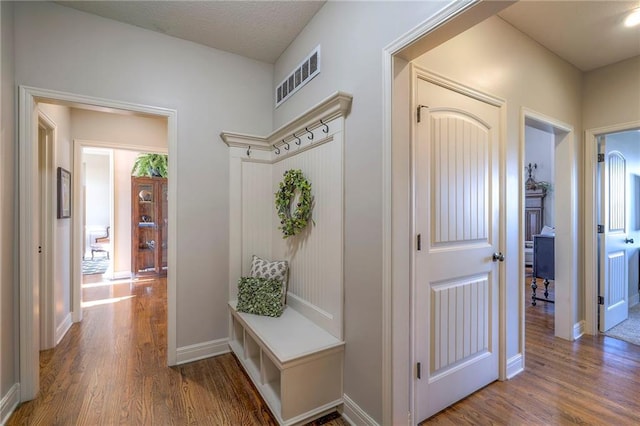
x,y
101,244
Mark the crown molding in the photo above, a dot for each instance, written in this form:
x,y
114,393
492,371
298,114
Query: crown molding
x,y
336,105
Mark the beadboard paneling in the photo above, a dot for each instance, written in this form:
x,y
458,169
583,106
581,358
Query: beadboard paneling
x,y
315,255
257,201
459,322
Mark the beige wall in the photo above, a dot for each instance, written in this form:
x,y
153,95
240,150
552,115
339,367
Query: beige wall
x,y
8,234
61,116
612,94
119,128
122,165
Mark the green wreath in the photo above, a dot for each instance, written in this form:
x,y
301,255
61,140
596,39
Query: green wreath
x,y
292,223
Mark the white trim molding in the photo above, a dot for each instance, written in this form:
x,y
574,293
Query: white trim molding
x,y
203,350
9,402
355,415
515,365
336,105
63,327
29,216
578,329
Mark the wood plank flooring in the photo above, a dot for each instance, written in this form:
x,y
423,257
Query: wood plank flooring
x,y
110,370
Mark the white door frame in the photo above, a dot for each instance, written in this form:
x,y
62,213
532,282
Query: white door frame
x,y
28,217
566,245
397,370
47,207
591,220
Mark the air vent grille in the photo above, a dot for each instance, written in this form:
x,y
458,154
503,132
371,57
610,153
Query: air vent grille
x,y
301,75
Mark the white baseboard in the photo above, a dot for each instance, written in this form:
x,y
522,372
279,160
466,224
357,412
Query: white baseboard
x,y
355,415
515,365
9,402
122,275
63,327
578,330
204,350
634,300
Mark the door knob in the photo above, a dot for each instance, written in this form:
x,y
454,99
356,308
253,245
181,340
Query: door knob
x,y
498,256
628,240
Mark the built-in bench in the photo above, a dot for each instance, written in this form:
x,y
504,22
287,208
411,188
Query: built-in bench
x,y
295,364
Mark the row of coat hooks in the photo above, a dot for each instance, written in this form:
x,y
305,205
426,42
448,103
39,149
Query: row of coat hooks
x,y
298,141
286,146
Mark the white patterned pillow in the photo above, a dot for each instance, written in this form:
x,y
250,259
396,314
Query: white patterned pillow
x,y
276,270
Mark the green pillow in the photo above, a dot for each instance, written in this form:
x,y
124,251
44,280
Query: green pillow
x,y
260,296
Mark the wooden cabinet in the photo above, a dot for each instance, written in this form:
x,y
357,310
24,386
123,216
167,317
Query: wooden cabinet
x,y
533,212
149,226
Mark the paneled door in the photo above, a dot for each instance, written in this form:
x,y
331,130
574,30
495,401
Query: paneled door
x,y
456,216
614,289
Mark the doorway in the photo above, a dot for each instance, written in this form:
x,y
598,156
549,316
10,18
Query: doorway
x,y
29,223
618,183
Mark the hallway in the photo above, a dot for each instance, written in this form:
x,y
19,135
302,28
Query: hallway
x,y
110,369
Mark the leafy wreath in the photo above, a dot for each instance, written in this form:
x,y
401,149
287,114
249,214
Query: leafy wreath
x,y
293,222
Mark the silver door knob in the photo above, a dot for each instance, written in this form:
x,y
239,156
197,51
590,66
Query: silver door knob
x,y
628,240
498,256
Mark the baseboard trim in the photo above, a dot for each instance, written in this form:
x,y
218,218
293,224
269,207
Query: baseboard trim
x,y
203,350
634,300
578,329
122,275
62,329
515,365
355,415
9,402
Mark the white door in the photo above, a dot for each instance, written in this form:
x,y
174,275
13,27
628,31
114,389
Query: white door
x,y
614,288
456,273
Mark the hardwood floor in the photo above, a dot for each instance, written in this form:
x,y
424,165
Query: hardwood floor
x,y
111,370
592,381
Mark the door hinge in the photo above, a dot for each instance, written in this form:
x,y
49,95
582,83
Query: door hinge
x,y
419,242
419,370
600,158
419,108
600,300
600,229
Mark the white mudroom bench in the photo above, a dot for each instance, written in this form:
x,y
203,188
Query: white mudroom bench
x,y
295,364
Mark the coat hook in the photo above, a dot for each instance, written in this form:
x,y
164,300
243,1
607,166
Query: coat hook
x,y
277,151
326,129
249,151
310,137
286,146
298,142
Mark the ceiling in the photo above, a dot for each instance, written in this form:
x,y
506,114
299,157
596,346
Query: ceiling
x,y
259,30
589,34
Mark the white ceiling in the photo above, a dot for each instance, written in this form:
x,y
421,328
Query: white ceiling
x,y
589,34
260,30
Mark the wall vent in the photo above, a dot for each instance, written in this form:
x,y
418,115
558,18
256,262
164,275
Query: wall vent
x,y
301,75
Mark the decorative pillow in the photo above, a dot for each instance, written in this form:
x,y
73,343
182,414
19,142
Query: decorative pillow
x,y
260,296
277,270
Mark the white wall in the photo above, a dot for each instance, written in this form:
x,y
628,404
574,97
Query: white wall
x,y
8,234
496,58
352,36
63,49
539,148
612,94
61,116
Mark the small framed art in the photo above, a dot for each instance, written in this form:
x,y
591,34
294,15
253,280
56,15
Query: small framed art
x,y
64,193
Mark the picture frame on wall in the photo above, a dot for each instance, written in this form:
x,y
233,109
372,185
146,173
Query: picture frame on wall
x,y
64,193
